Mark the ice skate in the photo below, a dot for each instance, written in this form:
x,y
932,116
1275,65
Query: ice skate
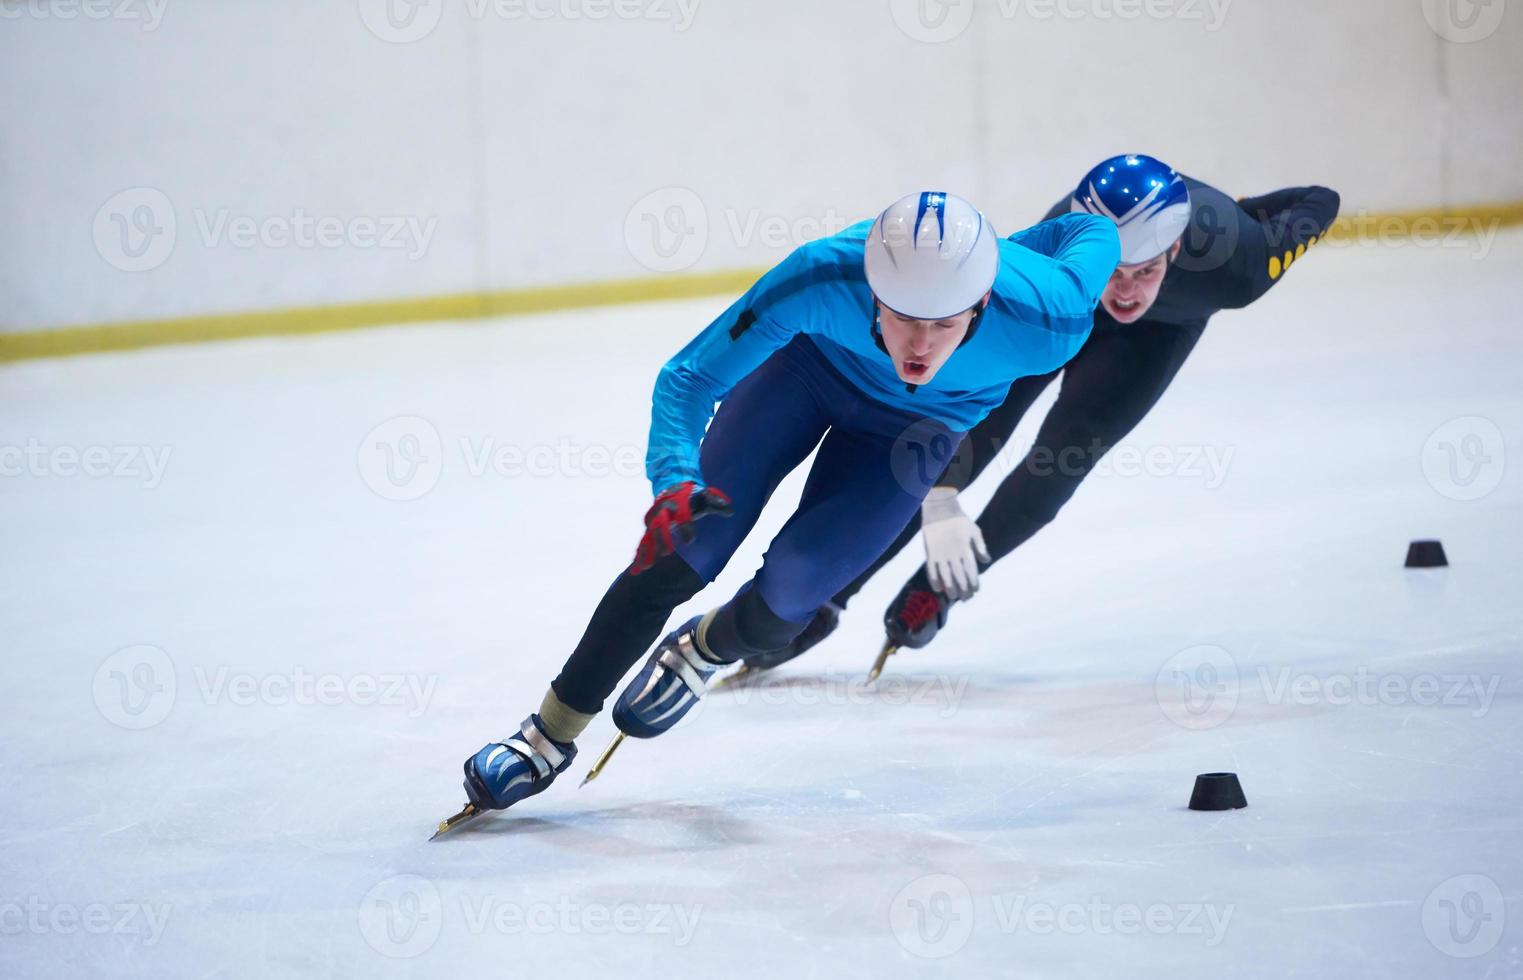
x,y
514,769
915,616
672,681
670,684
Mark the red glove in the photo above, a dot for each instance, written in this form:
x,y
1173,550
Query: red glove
x,y
676,509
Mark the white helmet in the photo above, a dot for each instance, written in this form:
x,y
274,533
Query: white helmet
x,y
931,255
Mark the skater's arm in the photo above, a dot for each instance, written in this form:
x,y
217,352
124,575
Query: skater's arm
x,y
703,372
1081,240
1053,280
1081,252
1318,203
690,385
1284,225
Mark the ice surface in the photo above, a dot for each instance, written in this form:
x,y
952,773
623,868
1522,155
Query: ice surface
x,y
1008,803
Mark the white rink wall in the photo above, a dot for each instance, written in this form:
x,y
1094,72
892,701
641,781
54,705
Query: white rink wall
x,y
163,158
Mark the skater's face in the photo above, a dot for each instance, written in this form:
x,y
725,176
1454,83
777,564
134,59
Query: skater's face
x,y
1133,289
920,347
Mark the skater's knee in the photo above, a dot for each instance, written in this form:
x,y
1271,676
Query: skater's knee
x,y
746,626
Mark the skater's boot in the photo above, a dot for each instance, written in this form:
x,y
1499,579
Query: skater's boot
x,y
826,619
916,615
518,767
667,687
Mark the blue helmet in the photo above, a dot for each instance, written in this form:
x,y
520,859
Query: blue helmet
x,y
1146,199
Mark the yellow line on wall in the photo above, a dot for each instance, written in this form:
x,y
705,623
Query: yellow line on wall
x,y
64,341
131,335
1389,225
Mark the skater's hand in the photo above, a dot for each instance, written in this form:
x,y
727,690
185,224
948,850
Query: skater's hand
x,y
674,511
953,545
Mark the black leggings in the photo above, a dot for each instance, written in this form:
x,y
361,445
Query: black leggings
x,y
1114,380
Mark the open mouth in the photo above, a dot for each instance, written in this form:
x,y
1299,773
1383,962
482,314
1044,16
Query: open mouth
x,y
916,369
1125,307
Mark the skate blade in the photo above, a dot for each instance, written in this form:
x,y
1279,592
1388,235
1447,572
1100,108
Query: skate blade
x,y
597,767
889,649
736,678
469,813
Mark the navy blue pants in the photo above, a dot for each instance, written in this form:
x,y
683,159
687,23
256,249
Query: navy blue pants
x,y
875,465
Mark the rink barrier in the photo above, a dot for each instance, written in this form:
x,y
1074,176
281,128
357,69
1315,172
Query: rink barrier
x,y
295,321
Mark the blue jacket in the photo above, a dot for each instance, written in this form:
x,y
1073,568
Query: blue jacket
x,y
1050,279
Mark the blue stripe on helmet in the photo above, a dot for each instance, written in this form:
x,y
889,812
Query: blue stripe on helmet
x,y
937,201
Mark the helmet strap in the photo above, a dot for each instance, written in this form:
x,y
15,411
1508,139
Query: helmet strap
x,y
978,315
877,325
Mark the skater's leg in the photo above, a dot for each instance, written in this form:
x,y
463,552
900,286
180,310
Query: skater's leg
x,y
975,454
1104,395
1106,390
762,431
855,501
853,506
623,626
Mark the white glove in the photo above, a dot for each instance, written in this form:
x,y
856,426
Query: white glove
x,y
953,545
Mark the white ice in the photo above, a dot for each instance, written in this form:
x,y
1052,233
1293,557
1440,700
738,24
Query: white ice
x,y
1010,802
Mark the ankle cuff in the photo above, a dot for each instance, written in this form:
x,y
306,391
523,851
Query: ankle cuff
x,y
562,723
